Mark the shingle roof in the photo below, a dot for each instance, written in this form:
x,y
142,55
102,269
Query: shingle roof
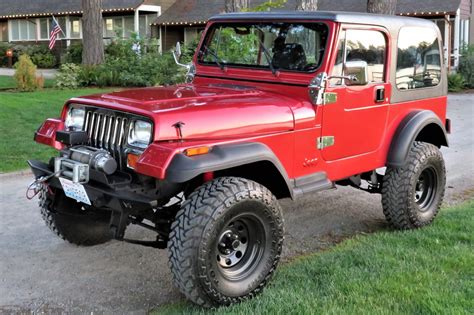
x,y
23,8
199,11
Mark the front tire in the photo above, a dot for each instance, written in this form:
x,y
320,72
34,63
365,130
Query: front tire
x,y
68,219
226,241
412,194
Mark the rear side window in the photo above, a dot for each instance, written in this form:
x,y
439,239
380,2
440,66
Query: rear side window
x,y
419,58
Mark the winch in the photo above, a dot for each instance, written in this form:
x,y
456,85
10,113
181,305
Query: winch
x,y
76,161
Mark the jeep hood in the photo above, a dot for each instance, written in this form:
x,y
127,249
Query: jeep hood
x,y
205,111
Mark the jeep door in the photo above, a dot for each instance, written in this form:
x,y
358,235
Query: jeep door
x,y
355,114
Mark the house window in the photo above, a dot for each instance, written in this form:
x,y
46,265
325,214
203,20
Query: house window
x,y
75,27
128,26
44,28
23,29
419,58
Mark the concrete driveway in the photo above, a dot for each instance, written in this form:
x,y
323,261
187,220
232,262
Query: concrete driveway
x,y
39,272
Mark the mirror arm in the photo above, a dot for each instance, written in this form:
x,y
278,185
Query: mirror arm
x,y
351,77
179,63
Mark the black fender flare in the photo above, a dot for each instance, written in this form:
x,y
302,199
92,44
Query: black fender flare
x,y
407,132
183,168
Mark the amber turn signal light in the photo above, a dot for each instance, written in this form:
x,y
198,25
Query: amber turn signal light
x,y
132,160
197,151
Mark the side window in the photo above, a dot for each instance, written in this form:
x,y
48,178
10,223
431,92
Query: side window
x,y
361,53
419,58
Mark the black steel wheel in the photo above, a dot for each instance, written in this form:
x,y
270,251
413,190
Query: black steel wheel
x,y
412,194
425,188
226,241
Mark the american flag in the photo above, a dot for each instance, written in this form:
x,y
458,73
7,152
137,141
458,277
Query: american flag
x,y
53,35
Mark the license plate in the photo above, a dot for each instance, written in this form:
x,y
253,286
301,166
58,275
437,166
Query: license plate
x,y
75,191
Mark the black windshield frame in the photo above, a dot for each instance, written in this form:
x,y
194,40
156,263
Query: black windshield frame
x,y
316,26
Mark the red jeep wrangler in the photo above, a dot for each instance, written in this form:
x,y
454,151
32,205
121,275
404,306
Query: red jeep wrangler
x,y
277,105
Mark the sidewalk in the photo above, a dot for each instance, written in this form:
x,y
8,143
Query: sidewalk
x,y
47,73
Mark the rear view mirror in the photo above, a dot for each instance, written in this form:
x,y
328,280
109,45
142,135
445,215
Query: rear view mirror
x,y
357,72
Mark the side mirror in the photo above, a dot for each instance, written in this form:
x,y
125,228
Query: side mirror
x,y
357,72
177,52
177,55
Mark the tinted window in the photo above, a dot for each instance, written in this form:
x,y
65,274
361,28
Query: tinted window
x,y
362,51
284,46
419,58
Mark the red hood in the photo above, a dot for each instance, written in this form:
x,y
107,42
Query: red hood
x,y
221,111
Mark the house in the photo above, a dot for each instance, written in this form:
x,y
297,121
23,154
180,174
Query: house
x,y
186,18
29,22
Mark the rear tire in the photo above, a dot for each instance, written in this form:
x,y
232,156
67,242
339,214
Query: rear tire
x,y
412,194
226,241
70,221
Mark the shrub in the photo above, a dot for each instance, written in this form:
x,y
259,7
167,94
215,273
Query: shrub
x,y
25,74
68,76
73,54
88,75
456,82
40,82
466,65
39,54
125,66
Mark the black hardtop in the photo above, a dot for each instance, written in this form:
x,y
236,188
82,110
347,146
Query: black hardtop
x,y
388,21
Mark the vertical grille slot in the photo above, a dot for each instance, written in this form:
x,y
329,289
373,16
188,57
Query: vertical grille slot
x,y
106,131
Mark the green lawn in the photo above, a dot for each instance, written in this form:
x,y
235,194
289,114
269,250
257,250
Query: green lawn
x,y
427,271
20,116
7,82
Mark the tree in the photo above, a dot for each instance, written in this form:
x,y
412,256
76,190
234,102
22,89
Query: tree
x,y
382,6
236,5
306,5
93,43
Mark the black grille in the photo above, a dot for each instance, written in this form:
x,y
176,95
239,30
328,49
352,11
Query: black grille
x,y
106,130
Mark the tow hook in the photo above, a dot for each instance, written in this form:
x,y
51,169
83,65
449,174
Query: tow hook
x,y
38,184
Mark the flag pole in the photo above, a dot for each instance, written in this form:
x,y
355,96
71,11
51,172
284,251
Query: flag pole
x,y
56,21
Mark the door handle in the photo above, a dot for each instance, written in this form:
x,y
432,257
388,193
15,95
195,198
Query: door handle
x,y
379,94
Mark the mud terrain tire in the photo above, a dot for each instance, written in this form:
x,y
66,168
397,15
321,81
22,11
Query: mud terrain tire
x,y
66,218
226,241
412,194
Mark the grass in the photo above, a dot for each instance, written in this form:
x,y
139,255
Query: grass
x,y
7,82
426,271
20,116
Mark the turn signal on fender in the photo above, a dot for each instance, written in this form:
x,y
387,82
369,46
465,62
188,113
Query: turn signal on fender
x,y
132,160
197,151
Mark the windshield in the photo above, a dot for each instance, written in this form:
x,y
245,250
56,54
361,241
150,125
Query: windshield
x,y
273,46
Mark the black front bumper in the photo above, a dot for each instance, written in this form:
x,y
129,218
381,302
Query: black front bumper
x,y
113,192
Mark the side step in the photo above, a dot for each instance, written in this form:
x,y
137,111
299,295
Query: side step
x,y
311,183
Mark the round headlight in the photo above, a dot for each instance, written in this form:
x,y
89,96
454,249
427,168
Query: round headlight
x,y
140,134
75,119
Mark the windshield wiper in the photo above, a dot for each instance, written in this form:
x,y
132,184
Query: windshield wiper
x,y
217,60
265,52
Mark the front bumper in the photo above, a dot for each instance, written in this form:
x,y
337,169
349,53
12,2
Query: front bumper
x,y
113,192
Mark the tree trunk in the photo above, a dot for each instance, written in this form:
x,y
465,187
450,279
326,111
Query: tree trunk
x,y
92,33
306,5
236,5
382,6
